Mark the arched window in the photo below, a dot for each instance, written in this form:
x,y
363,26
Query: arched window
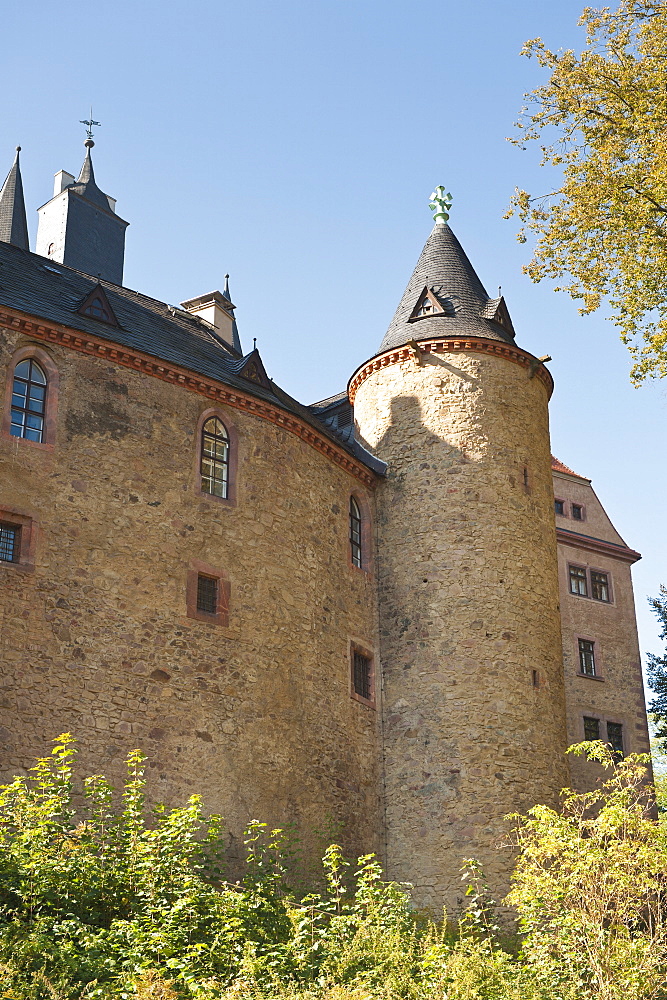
x,y
215,458
28,401
355,533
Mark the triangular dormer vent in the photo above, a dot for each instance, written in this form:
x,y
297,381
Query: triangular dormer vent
x,y
497,311
97,306
254,371
428,304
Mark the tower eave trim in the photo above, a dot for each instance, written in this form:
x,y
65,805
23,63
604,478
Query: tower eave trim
x,y
166,371
480,345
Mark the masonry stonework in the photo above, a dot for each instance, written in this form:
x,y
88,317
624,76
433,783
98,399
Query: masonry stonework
x,y
256,716
474,718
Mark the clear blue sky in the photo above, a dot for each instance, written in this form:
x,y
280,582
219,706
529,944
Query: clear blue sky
x,y
294,143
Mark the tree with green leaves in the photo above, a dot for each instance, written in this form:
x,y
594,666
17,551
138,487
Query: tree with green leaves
x,y
601,120
657,669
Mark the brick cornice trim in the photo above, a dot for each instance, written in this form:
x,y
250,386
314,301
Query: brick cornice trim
x,y
598,545
481,345
128,357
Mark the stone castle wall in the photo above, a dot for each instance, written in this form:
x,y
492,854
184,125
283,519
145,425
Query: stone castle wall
x,y
470,632
95,639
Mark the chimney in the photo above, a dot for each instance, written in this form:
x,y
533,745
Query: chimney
x,y
62,180
218,311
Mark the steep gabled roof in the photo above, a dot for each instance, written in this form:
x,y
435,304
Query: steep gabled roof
x,y
466,310
558,466
13,222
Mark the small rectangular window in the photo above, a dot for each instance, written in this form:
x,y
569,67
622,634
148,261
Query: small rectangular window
x,y
599,586
591,728
587,657
615,737
560,507
207,594
578,584
361,675
10,538
577,512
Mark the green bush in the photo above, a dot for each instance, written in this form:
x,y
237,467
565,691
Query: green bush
x,y
105,903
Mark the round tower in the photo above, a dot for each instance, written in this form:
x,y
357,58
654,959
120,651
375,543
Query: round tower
x,y
471,656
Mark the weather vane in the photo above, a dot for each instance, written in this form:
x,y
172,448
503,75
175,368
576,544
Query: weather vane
x,y
89,123
440,204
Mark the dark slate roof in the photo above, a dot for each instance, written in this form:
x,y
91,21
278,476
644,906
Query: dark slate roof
x,y
445,269
53,292
329,412
85,184
13,222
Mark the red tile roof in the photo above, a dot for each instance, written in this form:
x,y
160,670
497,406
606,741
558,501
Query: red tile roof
x,y
558,466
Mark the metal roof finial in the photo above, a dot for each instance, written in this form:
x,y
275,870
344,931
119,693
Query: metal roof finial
x,y
440,204
89,123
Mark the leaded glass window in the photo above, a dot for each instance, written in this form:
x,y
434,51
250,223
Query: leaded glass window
x,y
355,533
215,458
28,401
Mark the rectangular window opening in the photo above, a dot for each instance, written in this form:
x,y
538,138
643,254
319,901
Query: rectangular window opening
x,y
577,512
361,675
615,737
591,728
599,586
587,657
560,507
207,594
10,538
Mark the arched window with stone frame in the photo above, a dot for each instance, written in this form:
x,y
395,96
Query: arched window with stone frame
x,y
216,456
356,546
31,397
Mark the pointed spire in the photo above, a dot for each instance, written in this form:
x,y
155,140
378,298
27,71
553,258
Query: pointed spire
x,y
236,340
458,304
86,184
13,222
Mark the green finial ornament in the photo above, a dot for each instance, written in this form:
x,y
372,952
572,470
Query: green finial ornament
x,y
440,205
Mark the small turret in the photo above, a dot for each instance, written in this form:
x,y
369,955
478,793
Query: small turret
x,y
13,222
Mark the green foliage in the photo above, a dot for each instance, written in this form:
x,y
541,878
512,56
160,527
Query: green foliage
x,y
589,887
657,669
105,903
600,121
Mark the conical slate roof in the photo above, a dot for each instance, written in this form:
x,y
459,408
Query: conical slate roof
x,y
13,222
459,304
86,185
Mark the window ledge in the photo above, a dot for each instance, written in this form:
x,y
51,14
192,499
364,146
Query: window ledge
x,y
589,677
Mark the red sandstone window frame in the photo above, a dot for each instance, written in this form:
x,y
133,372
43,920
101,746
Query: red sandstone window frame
x,y
564,503
221,615
31,352
356,647
582,508
232,463
366,533
588,571
597,654
27,540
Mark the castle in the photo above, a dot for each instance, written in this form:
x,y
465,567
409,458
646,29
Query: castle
x,y
391,609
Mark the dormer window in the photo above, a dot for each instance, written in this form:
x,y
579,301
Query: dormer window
x,y
427,304
96,308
